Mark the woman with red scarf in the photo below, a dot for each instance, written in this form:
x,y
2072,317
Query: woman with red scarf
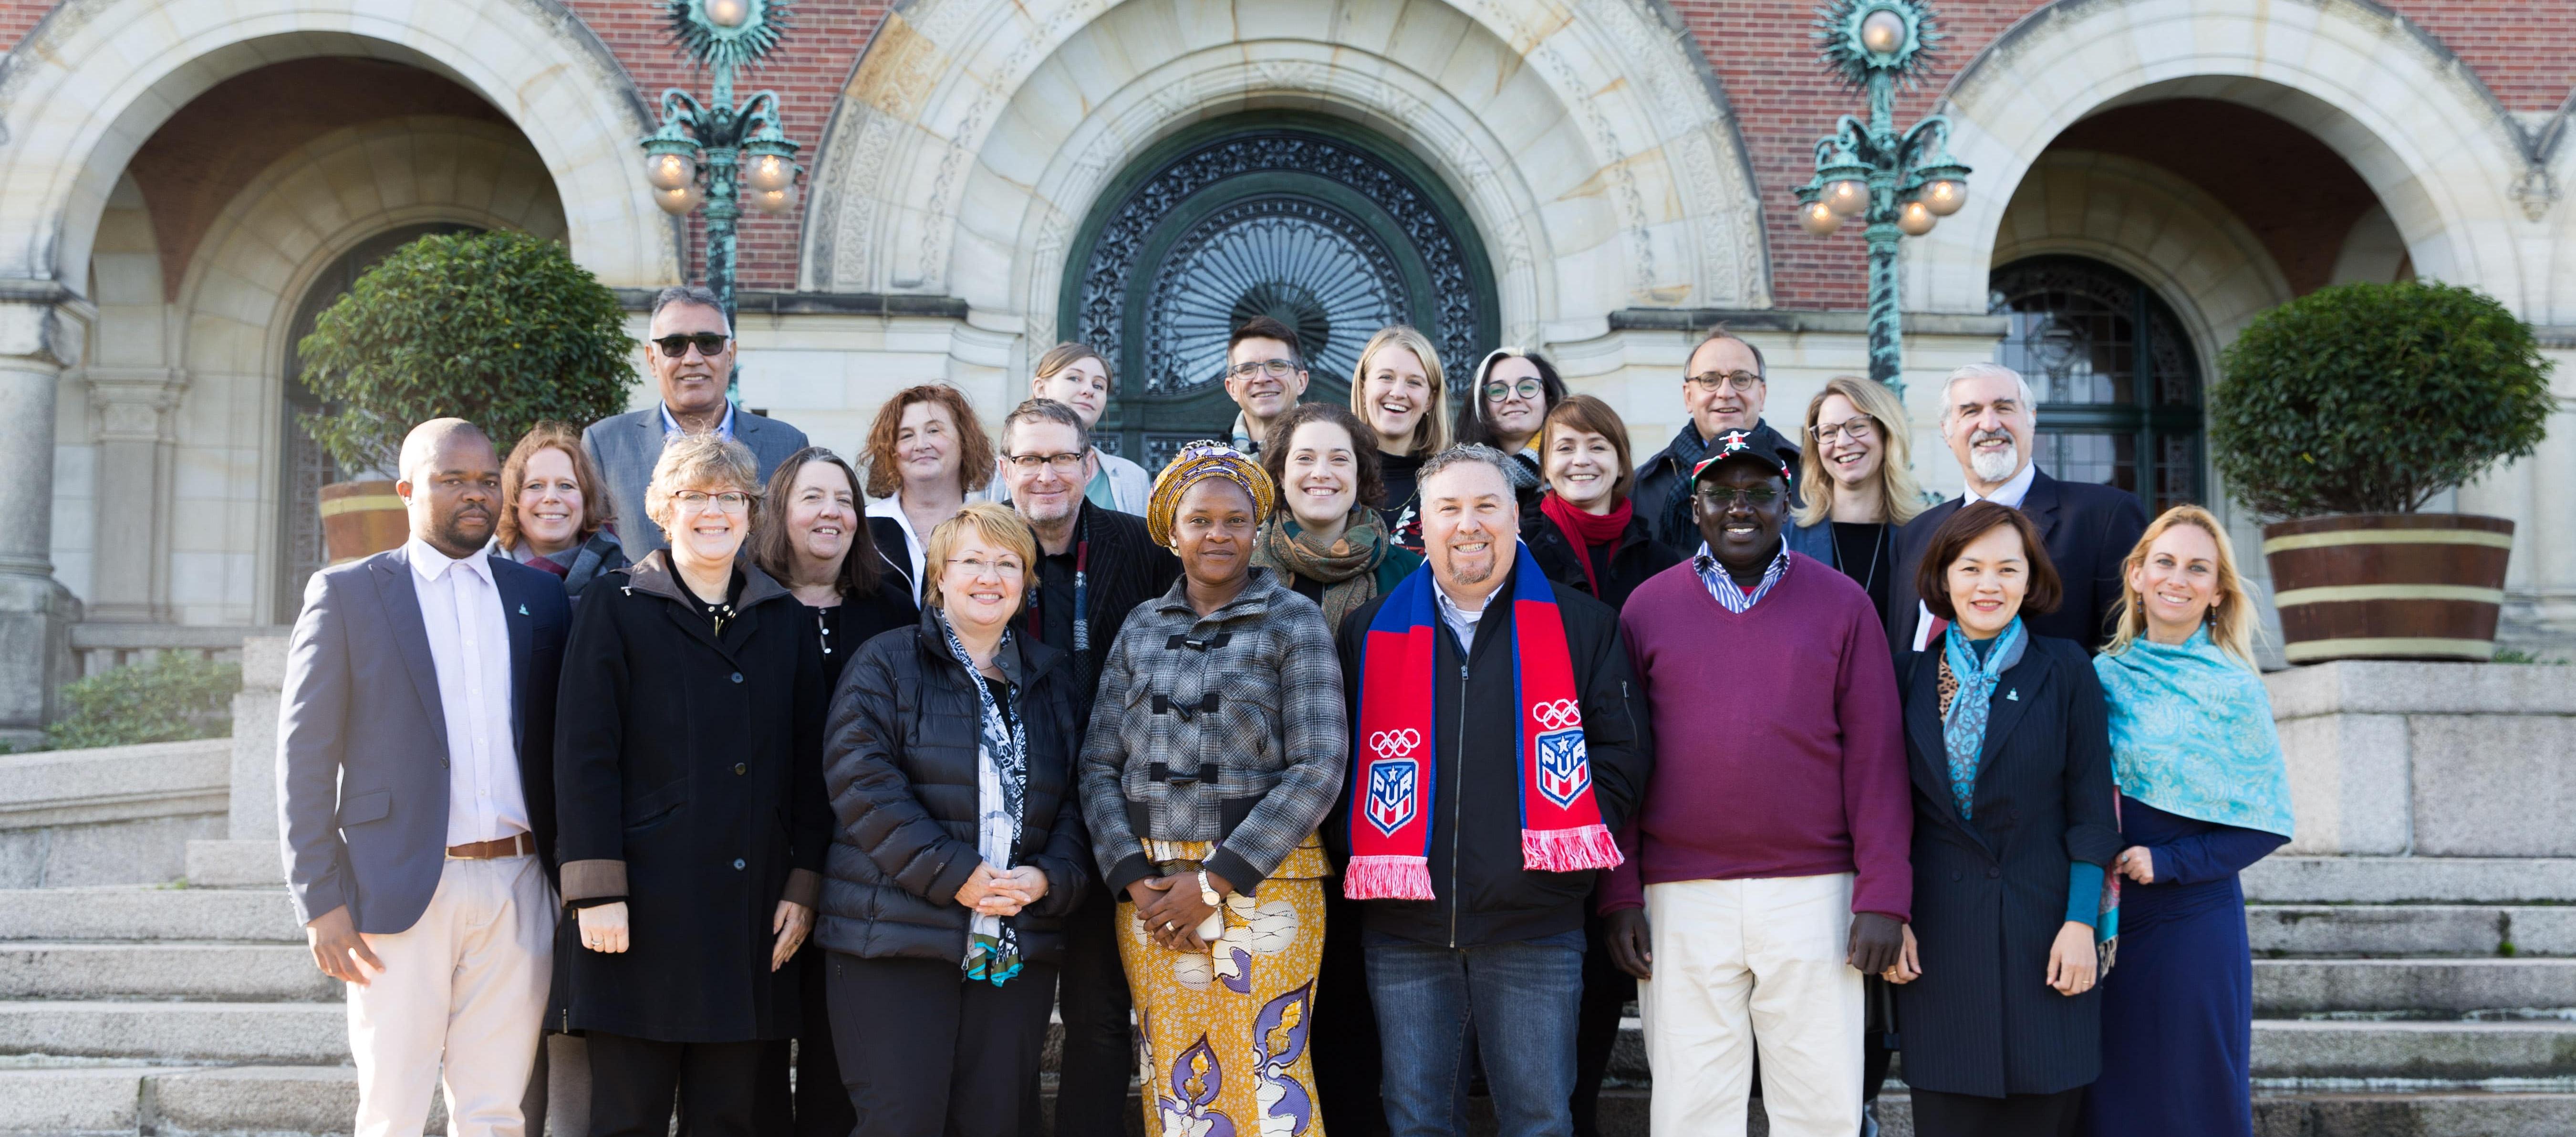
x,y
1584,533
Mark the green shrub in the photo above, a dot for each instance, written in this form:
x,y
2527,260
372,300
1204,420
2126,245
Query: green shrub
x,y
500,329
2372,398
174,698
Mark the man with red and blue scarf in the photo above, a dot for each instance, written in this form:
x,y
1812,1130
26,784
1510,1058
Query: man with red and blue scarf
x,y
1497,753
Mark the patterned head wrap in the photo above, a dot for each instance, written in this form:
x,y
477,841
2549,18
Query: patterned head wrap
x,y
1198,462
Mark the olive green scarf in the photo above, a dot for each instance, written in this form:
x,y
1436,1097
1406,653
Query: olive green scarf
x,y
1347,569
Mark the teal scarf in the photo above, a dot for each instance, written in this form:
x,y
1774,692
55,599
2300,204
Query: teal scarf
x,y
1963,733
2191,734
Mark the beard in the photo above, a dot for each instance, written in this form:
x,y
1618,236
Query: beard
x,y
466,528
1993,465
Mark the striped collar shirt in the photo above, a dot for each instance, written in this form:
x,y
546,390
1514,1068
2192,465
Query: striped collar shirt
x,y
1723,587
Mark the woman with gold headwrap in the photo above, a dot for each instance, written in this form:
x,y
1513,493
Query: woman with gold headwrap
x,y
1217,745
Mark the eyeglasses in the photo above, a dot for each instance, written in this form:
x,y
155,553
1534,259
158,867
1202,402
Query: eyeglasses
x,y
977,567
1756,497
729,501
1275,368
1741,381
1858,428
1060,463
1526,389
709,344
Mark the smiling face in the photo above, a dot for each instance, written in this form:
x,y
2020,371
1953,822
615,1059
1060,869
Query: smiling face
x,y
1322,475
1261,394
979,585
1212,532
1737,505
1470,522
1047,494
1522,409
705,532
1724,409
451,494
2179,582
1849,442
1395,397
549,502
1082,385
1583,468
822,507
925,444
693,383
1988,426
1987,581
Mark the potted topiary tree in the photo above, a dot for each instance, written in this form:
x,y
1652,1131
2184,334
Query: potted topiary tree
x,y
500,329
2343,414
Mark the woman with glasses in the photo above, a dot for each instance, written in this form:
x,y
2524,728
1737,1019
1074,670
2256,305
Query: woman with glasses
x,y
1396,389
1515,388
555,511
1217,744
958,845
1857,475
691,805
927,457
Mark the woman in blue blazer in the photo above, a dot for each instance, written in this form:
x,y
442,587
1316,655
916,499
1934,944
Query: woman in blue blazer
x,y
2008,741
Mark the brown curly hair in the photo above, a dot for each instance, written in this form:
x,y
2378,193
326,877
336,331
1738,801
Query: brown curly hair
x,y
975,459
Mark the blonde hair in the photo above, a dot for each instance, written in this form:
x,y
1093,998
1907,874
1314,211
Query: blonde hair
x,y
995,523
1431,435
693,460
2231,618
1897,490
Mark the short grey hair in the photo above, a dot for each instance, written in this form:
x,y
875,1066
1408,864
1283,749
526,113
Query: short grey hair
x,y
2029,401
1465,454
697,294
1046,410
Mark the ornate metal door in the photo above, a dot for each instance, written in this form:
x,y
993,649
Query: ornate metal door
x,y
1324,227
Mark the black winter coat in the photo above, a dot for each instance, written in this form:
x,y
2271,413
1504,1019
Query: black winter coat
x,y
1480,892
901,761
1662,495
687,782
1637,555
1990,893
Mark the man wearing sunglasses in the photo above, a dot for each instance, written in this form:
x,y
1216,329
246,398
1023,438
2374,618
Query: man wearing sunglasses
x,y
690,345
1723,388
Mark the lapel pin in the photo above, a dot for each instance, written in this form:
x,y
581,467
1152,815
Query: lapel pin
x,y
2013,695
523,609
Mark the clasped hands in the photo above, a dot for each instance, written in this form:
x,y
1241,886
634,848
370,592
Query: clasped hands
x,y
1171,909
991,891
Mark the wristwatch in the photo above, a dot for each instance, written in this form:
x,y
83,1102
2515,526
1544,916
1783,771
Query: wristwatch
x,y
1208,895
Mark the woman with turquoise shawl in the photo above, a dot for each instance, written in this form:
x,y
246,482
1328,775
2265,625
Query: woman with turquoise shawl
x,y
2203,793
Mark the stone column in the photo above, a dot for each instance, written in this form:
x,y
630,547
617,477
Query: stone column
x,y
133,413
41,327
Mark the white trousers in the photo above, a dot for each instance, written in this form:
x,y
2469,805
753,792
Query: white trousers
x,y
1746,962
465,988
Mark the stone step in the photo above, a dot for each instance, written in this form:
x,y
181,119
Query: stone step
x,y
2395,930
272,1033
168,1100
2417,988
2469,1114
254,915
2434,1052
2411,880
163,969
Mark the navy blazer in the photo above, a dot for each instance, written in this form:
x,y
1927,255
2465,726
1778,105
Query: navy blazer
x,y
362,740
1990,892
2088,530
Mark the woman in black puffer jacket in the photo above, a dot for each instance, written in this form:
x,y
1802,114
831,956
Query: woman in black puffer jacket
x,y
958,846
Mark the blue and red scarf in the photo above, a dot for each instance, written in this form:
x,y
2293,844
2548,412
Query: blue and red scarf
x,y
1392,768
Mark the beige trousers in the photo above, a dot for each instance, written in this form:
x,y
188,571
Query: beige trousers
x,y
459,1004
1741,963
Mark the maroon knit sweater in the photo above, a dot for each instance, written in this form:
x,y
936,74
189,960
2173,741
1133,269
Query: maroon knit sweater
x,y
1779,742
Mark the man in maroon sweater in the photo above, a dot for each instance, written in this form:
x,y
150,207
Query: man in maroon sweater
x,y
1768,871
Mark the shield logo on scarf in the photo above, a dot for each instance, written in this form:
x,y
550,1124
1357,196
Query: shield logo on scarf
x,y
1392,794
1564,771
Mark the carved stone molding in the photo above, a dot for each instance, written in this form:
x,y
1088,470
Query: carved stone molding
x,y
135,404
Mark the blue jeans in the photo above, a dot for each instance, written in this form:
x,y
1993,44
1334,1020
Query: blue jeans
x,y
1523,996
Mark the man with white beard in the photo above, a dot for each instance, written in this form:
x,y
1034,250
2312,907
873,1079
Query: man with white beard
x,y
1989,417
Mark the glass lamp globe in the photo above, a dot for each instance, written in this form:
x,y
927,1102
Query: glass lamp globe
x,y
768,172
773,201
1819,219
1882,32
728,13
1945,196
670,171
1915,219
1847,197
679,199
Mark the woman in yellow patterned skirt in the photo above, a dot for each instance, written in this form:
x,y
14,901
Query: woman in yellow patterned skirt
x,y
1217,745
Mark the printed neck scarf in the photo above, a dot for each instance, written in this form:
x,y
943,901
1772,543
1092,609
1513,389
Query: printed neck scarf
x,y
1963,731
1347,569
1001,788
2192,734
1393,771
1586,530
1081,603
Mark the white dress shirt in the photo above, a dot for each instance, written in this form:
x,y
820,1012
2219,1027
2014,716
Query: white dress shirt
x,y
469,644
2008,494
1462,623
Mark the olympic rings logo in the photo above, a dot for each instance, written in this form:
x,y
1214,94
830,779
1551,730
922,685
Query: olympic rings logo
x,y
1395,743
1558,715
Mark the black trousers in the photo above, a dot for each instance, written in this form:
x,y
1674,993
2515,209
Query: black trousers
x,y
1344,1039
817,1105
633,1080
925,1053
2018,1115
1099,1055
1606,994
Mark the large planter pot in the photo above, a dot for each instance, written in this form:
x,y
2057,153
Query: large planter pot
x,y
361,519
2388,585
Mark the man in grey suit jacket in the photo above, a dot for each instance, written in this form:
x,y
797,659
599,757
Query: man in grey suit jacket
x,y
691,347
415,774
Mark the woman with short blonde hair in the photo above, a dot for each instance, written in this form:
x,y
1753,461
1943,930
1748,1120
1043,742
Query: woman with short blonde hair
x,y
1397,390
1857,475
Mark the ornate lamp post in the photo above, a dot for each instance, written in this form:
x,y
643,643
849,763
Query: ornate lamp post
x,y
1901,184
716,154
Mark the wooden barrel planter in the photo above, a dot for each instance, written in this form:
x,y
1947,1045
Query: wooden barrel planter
x,y
2389,585
361,519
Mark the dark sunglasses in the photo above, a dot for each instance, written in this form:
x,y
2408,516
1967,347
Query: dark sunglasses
x,y
707,343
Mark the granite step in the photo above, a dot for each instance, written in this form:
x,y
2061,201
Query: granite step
x,y
2537,1055
266,1033
130,913
162,969
2411,880
2414,988
2411,930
